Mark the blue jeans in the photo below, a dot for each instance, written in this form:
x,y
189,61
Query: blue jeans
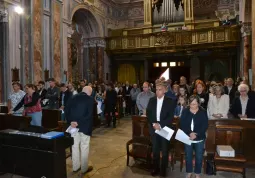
x,y
63,118
36,118
199,153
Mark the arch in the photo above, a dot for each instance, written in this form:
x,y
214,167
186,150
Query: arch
x,y
86,8
126,72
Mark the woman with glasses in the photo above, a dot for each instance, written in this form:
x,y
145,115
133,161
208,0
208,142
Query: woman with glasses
x,y
243,105
32,105
194,122
218,105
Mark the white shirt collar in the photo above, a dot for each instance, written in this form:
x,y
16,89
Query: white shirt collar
x,y
160,99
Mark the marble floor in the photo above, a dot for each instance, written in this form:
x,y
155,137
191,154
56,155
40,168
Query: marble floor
x,y
108,157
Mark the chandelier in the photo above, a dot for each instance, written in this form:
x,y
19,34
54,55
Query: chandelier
x,y
158,4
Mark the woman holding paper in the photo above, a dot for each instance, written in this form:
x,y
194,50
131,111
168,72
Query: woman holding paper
x,y
194,122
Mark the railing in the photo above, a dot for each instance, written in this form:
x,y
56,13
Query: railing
x,y
175,38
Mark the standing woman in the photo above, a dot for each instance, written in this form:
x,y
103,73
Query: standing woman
x,y
194,122
200,90
32,105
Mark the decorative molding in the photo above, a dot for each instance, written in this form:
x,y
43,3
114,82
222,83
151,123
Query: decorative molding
x,y
93,42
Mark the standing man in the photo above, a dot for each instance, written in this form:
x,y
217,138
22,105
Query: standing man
x,y
79,114
230,90
160,113
14,98
143,99
65,95
133,93
126,89
52,95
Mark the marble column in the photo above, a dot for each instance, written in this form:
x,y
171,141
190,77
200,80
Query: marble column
x,y
57,43
37,40
69,58
246,56
253,44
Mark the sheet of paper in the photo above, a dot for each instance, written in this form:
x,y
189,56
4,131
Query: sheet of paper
x,y
166,132
248,119
182,137
72,130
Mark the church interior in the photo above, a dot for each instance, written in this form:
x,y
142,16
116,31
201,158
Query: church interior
x,y
118,48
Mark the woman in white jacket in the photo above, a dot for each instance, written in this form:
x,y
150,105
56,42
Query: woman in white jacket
x,y
218,105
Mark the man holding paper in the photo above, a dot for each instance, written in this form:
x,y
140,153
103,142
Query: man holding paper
x,y
194,123
160,113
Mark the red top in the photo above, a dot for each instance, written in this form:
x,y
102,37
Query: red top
x,y
32,109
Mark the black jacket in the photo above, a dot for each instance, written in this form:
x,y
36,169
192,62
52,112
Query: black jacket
x,y
200,120
68,96
236,107
35,98
166,114
231,94
80,109
53,96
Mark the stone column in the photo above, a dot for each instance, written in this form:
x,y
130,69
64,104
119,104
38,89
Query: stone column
x,y
188,13
3,57
253,43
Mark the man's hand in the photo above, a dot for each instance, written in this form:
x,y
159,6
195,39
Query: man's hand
x,y
242,116
74,124
192,136
156,126
10,112
62,107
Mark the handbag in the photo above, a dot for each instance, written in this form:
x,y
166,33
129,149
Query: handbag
x,y
210,167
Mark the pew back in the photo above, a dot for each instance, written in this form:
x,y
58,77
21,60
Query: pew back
x,y
236,129
3,109
50,118
14,122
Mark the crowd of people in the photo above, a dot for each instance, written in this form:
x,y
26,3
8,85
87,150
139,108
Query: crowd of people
x,y
194,104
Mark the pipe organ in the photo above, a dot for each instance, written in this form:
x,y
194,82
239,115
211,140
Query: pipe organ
x,y
168,13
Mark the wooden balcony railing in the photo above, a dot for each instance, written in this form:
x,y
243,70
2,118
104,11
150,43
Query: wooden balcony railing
x,y
179,38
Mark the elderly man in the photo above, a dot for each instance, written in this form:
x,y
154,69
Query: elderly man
x,y
79,114
143,98
183,82
134,93
230,89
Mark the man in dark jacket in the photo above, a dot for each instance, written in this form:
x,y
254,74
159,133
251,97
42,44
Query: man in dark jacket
x,y
65,95
79,114
160,113
52,95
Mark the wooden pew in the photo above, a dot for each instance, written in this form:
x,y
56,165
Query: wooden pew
x,y
50,118
248,137
3,109
14,122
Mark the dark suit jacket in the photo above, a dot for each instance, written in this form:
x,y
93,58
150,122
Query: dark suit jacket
x,y
127,91
166,115
236,107
53,96
200,120
231,94
68,96
80,109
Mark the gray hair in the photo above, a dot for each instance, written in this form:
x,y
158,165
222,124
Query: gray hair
x,y
243,86
218,86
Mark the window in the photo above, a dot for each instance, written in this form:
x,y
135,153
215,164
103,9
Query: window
x,y
163,64
172,64
180,63
156,64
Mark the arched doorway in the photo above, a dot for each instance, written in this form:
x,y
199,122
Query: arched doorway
x,y
87,49
126,72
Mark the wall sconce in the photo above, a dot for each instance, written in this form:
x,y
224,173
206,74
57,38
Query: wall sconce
x,y
15,74
46,75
